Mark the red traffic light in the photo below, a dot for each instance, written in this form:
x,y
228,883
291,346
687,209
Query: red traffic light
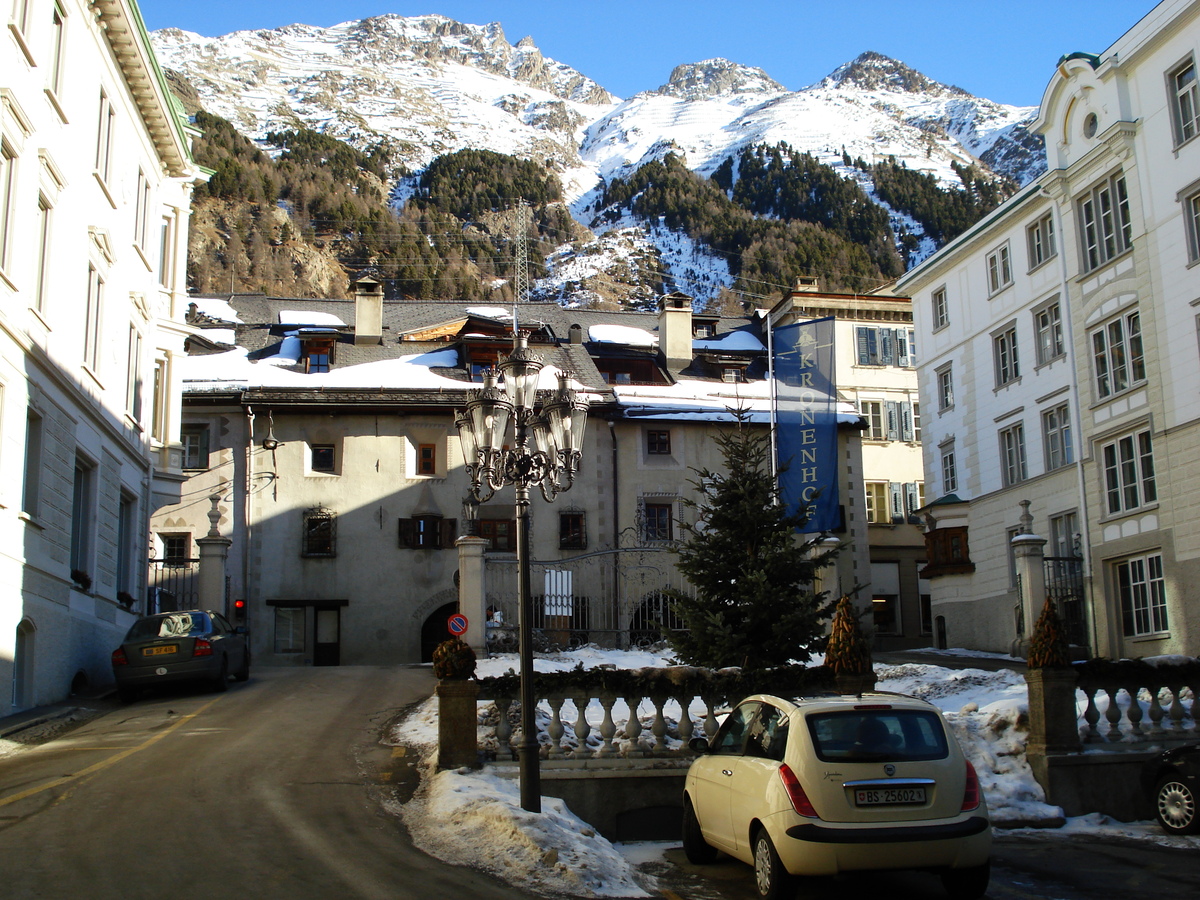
x,y
239,609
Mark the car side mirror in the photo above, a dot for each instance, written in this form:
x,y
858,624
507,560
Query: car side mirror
x,y
698,745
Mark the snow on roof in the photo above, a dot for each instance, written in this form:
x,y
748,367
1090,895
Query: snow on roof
x,y
309,317
733,341
712,401
622,334
215,308
219,335
490,312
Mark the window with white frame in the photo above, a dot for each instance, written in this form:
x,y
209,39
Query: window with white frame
x,y
1064,531
1012,454
158,408
1056,437
91,325
949,470
1040,238
1143,593
941,313
884,346
41,287
1129,482
31,495
1004,351
885,597
8,184
104,137
945,387
877,503
58,44
999,267
872,411
1117,358
166,252
194,439
1191,220
141,213
1104,222
915,406
1185,107
133,374
1047,323
289,629
82,516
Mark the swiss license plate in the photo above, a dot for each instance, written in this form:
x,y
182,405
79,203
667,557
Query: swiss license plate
x,y
163,650
888,796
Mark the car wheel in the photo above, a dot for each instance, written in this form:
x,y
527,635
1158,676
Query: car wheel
x,y
770,877
695,848
967,884
222,681
1175,805
243,674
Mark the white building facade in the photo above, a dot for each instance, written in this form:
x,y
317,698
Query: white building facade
x,y
1059,364
95,184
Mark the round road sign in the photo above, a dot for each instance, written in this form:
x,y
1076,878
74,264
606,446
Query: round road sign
x,y
457,624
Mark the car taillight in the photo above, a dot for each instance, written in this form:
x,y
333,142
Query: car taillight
x,y
201,648
118,657
795,791
971,791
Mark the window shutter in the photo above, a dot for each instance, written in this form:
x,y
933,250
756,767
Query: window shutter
x,y
863,338
913,497
408,533
897,491
887,347
902,351
893,420
449,532
906,422
912,347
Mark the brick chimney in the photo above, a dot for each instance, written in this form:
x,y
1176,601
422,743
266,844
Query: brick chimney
x,y
368,311
675,330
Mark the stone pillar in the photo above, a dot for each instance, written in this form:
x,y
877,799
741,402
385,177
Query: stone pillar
x,y
457,723
472,601
214,553
1031,575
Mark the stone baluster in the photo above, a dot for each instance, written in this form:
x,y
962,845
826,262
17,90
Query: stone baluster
x,y
686,726
710,719
1091,715
582,727
1156,713
555,728
633,728
1113,714
1135,713
608,728
504,729
1178,711
659,726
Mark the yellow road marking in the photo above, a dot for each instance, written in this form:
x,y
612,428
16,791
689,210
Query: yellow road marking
x,y
670,895
105,763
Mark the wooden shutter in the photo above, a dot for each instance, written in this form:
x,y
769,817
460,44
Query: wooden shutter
x,y
408,533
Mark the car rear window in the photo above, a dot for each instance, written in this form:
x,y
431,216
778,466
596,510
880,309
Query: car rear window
x,y
878,734
176,625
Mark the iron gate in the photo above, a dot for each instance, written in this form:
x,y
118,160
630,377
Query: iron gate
x,y
1064,586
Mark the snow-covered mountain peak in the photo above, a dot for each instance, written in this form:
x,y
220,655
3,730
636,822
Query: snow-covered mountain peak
x,y
717,78
873,71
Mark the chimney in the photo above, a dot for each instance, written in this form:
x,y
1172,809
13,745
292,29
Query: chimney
x,y
368,311
675,330
807,284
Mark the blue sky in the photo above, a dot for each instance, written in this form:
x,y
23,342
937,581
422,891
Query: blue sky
x,y
1002,51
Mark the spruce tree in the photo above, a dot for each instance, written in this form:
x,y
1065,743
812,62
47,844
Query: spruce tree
x,y
754,605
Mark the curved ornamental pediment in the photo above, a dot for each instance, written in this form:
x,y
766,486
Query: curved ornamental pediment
x,y
1079,107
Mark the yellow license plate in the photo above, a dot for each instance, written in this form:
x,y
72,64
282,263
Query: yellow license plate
x,y
164,650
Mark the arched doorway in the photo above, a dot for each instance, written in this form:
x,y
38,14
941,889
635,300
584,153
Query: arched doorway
x,y
23,687
434,630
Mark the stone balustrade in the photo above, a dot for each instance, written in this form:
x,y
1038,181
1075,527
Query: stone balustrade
x,y
1137,705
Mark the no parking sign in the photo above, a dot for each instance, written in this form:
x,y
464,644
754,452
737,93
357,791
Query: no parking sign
x,y
457,624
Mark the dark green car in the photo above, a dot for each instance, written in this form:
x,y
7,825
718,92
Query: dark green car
x,y
191,645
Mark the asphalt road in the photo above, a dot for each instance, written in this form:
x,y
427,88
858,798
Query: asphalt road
x,y
272,790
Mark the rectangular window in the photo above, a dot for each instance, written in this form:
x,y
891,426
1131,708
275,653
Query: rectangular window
x,y
1004,350
658,522
82,517
1191,219
658,443
571,535
916,421
884,346
320,533
91,327
1040,236
8,182
289,629
158,422
1056,435
1143,593
501,534
316,362
877,503
872,411
323,458
33,465
1104,222
945,387
42,273
914,499
430,532
133,374
195,446
426,459
166,248
104,137
126,535
141,212
1129,473
1012,454
885,597
941,313
1064,531
177,549
1184,104
949,471
1048,325
57,51
1117,355
999,269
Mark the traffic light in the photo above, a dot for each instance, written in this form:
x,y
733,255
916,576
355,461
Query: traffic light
x,y
239,610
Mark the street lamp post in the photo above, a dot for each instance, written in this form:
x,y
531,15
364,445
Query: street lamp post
x,y
550,464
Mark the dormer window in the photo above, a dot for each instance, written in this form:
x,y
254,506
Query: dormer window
x,y
733,376
317,351
703,331
316,362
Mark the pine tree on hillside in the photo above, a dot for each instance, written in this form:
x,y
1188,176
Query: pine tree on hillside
x,y
754,605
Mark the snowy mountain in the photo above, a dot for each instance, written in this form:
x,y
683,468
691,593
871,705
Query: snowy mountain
x,y
429,85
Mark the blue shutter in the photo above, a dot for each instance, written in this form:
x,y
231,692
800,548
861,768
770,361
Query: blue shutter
x,y
897,511
893,420
862,338
906,422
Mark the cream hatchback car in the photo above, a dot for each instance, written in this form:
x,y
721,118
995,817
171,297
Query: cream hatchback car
x,y
835,784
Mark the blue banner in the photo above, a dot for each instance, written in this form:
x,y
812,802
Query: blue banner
x,y
806,422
